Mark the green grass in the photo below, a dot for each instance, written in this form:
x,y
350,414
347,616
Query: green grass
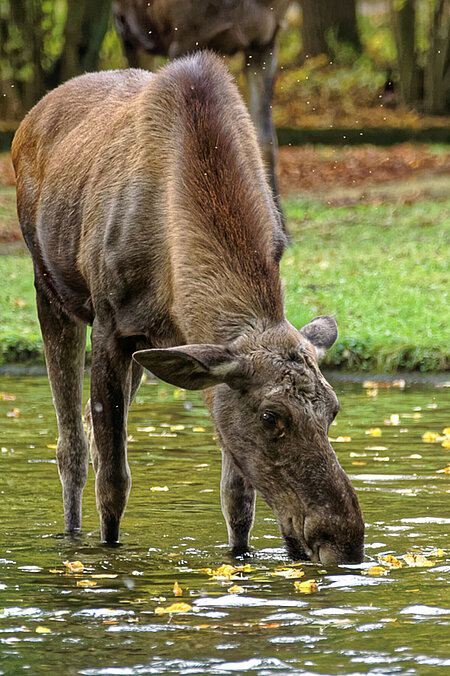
x,y
382,270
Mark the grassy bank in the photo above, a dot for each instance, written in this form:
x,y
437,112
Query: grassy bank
x,y
382,270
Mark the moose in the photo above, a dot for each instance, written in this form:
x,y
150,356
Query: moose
x,y
174,28
144,203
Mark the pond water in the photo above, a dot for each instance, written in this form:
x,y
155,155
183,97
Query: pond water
x,y
103,621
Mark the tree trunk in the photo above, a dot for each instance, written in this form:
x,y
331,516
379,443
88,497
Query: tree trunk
x,y
86,25
404,21
321,18
437,66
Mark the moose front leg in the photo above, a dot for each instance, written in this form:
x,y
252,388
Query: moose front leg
x,y
260,70
237,498
64,343
111,376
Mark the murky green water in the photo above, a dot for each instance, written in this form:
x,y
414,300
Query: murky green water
x,y
355,623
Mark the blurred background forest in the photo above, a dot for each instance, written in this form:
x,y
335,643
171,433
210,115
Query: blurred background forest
x,y
362,111
375,63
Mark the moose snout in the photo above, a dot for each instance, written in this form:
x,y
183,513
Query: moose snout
x,y
335,541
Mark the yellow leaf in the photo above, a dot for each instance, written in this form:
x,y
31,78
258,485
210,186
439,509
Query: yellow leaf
x,y
74,566
51,446
376,571
55,570
306,587
156,489
43,630
198,429
391,561
417,560
446,442
343,439
446,470
174,608
439,553
394,419
236,589
445,431
288,573
227,572
430,437
177,589
7,397
374,432
86,583
103,576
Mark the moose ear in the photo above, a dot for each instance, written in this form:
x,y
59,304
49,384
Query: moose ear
x,y
321,333
192,367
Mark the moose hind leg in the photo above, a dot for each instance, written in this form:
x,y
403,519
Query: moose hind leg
x,y
64,344
237,498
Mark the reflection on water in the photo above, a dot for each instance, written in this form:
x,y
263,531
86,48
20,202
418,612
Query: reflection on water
x,y
376,618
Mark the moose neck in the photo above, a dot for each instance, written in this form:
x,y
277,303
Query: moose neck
x,y
225,277
223,227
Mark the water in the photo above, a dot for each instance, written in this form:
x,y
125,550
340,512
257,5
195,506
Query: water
x,y
355,623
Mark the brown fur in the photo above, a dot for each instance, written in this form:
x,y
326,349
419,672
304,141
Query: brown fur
x,y
145,206
175,28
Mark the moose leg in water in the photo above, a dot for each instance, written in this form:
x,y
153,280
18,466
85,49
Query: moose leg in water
x,y
237,498
260,72
64,344
111,382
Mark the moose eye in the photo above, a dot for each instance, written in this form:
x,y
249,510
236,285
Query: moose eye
x,y
269,419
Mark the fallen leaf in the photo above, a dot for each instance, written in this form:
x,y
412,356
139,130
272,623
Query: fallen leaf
x,y
376,571
177,589
86,583
374,432
446,442
74,566
236,589
439,553
341,439
53,446
14,413
156,489
104,576
446,470
393,419
431,437
7,397
390,561
417,560
174,608
227,572
288,573
43,630
306,587
198,429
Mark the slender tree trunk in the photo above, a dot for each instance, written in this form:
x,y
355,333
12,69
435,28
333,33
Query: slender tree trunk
x,y
437,67
320,17
404,21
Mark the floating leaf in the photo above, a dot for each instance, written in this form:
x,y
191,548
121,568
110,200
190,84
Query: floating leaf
x,y
374,432
394,419
439,553
376,571
86,583
236,589
74,566
53,446
417,560
390,561
306,587
156,489
177,589
14,413
227,572
43,630
431,437
104,576
288,572
7,397
446,442
341,439
198,429
174,608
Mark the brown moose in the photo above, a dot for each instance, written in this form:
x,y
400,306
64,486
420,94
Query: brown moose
x,y
143,200
174,28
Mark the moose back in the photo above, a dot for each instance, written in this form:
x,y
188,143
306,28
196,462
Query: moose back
x,y
144,203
